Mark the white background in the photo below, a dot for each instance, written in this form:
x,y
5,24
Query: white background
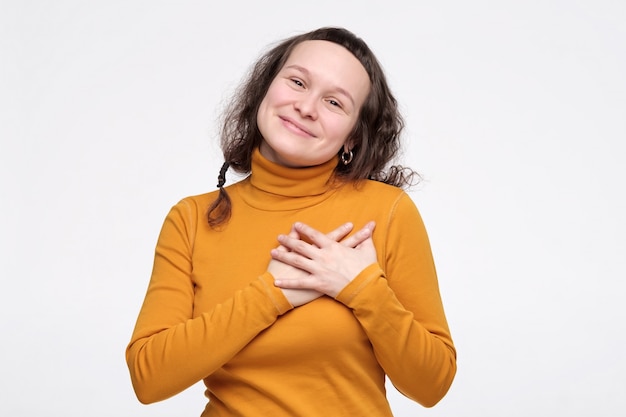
x,y
516,116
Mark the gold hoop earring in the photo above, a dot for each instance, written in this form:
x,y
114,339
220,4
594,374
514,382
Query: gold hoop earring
x,y
346,157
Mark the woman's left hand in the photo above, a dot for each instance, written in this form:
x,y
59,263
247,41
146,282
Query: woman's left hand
x,y
330,264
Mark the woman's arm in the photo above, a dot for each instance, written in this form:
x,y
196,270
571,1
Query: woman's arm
x,y
393,293
169,350
400,309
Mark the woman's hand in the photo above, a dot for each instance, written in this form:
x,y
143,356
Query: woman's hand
x,y
280,270
327,265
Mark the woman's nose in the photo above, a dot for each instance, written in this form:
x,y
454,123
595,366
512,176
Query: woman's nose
x,y
306,105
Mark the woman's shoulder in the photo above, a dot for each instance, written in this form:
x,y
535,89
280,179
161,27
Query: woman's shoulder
x,y
201,199
370,192
196,203
378,189
205,199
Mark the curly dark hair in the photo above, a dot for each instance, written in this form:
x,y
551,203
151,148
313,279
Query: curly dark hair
x,y
375,136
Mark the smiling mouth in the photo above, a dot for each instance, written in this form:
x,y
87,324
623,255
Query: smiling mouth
x,y
294,127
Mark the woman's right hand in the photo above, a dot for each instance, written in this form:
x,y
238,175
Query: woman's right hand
x,y
280,270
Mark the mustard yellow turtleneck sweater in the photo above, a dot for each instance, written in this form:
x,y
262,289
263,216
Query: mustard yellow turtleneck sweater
x,y
212,313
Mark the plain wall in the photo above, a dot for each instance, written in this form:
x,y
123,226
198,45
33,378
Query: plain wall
x,y
515,117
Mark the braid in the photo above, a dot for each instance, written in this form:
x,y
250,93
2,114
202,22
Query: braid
x,y
221,178
219,210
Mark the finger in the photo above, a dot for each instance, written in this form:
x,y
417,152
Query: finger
x,y
367,244
340,232
293,258
297,245
318,238
303,283
360,236
292,234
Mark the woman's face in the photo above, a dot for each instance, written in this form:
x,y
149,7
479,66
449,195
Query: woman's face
x,y
312,105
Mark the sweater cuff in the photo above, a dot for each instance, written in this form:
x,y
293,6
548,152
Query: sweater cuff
x,y
275,294
365,278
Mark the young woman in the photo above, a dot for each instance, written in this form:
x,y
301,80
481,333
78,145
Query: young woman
x,y
263,289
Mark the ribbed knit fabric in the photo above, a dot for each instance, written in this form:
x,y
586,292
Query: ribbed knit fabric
x,y
212,313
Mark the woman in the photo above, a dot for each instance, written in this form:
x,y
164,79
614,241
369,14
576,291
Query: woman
x,y
261,290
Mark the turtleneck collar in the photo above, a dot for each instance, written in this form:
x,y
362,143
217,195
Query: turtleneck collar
x,y
274,187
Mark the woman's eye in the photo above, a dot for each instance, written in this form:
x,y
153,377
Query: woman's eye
x,y
334,103
297,82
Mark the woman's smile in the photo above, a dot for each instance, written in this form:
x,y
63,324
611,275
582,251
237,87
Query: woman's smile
x,y
296,128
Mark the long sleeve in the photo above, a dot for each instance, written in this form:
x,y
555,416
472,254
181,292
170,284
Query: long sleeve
x,y
400,309
170,349
212,312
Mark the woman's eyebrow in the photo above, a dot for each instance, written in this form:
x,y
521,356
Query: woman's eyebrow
x,y
307,72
